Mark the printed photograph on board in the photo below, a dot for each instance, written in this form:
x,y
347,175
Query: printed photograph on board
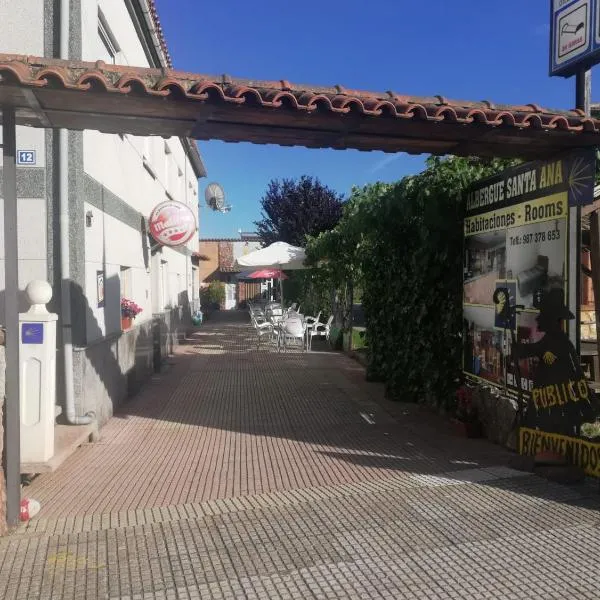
x,y
535,258
527,333
484,264
482,354
504,297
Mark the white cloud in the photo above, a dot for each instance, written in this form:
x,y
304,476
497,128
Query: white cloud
x,y
384,162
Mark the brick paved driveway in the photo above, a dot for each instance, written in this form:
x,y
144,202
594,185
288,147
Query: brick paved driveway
x,y
245,474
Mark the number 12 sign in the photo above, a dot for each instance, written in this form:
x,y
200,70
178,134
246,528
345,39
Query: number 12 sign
x,y
26,157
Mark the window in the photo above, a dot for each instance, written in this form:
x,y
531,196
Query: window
x,y
126,289
167,170
164,287
180,184
147,148
111,47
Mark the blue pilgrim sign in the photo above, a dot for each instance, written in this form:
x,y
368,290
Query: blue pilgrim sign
x,y
574,35
32,333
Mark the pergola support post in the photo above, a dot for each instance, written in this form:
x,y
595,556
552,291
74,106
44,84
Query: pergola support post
x,y
12,420
595,260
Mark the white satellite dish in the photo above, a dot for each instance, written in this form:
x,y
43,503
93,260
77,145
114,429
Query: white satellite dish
x,y
215,198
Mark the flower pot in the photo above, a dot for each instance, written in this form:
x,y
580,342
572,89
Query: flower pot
x,y
126,323
468,429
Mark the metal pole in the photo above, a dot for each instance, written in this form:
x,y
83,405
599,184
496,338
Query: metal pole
x,y
595,259
583,97
583,90
12,420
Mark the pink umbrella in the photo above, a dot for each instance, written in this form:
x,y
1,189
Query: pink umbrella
x,y
267,274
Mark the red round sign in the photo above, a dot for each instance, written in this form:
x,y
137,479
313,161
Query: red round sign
x,y
172,223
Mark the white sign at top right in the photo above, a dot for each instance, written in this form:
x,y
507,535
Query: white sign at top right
x,y
572,44
572,31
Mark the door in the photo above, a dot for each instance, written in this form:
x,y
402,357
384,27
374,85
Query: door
x,y
230,296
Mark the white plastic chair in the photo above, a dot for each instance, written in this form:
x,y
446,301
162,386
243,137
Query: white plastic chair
x,y
274,315
313,320
262,329
257,313
319,330
310,324
292,328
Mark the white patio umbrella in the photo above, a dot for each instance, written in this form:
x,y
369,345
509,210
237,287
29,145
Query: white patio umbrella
x,y
279,255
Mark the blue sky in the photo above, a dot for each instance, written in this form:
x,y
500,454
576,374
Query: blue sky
x,y
461,49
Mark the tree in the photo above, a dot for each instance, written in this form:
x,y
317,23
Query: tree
x,y
293,209
213,296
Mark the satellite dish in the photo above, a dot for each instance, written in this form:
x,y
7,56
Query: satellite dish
x,y
215,198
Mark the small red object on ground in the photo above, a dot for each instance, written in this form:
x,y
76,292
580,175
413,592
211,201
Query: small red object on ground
x,y
29,508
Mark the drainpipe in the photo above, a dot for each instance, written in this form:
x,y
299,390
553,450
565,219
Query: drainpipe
x,y
65,254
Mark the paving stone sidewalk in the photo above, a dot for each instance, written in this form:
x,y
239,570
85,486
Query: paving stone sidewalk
x,y
251,474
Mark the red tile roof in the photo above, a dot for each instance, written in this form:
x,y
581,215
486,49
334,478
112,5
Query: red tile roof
x,y
159,32
41,72
285,113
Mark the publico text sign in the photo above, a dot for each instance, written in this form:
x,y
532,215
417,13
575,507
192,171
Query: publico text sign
x,y
172,223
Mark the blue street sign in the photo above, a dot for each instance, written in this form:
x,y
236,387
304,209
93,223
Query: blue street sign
x,y
32,333
26,157
574,36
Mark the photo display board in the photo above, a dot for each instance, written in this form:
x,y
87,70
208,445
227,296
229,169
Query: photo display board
x,y
516,300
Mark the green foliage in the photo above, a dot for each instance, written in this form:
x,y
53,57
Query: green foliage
x,y
336,338
358,339
213,295
401,244
312,289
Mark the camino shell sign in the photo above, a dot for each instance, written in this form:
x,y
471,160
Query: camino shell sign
x,y
172,223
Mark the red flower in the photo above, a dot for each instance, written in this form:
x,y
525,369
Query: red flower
x,y
130,309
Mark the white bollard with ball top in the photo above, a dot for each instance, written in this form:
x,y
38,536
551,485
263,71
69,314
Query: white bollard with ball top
x,y
37,364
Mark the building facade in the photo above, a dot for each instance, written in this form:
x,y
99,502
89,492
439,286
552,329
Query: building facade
x,y
219,263
113,182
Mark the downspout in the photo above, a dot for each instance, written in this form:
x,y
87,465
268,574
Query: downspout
x,y
65,254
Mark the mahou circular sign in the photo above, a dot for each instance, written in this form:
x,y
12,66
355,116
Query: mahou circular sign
x,y
172,223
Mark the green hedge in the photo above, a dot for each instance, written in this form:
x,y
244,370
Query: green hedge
x,y
402,245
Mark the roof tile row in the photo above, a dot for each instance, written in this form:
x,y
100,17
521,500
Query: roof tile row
x,y
166,83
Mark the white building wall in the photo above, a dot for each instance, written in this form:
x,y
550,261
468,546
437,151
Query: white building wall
x,y
142,172
22,26
22,32
111,365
